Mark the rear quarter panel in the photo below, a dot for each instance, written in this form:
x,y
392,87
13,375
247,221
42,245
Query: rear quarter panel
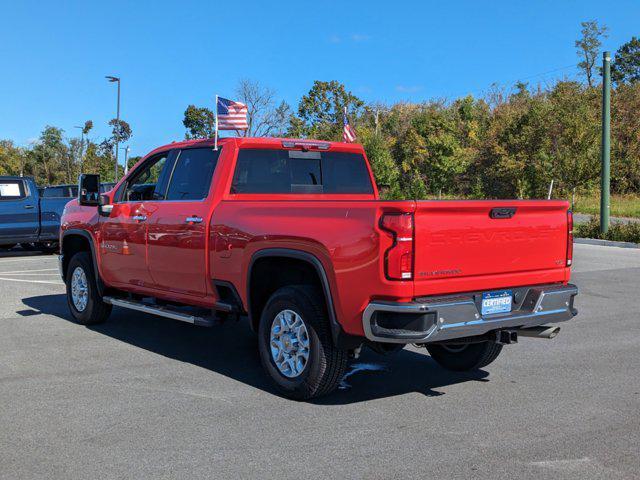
x,y
342,234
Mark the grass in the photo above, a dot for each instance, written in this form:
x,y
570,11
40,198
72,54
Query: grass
x,y
621,205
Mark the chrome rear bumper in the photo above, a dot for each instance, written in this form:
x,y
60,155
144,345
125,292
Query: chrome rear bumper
x,y
433,319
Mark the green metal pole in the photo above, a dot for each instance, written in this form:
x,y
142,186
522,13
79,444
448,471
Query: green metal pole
x,y
606,146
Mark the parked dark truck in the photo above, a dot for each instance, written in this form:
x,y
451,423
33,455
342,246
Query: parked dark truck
x,y
28,218
292,235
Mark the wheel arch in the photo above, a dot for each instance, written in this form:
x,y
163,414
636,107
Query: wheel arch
x,y
76,240
256,300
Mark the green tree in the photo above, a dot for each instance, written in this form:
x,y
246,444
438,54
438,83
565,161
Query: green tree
x,y
384,168
588,47
120,131
12,159
321,109
574,135
626,64
50,154
199,122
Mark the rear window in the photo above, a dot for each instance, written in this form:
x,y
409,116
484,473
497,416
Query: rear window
x,y
11,190
293,171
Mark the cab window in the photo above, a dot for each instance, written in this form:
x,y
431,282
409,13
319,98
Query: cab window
x,y
12,190
192,174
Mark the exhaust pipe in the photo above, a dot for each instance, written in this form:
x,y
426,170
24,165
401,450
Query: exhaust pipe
x,y
543,331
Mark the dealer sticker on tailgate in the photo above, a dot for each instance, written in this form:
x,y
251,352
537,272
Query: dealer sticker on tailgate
x,y
496,302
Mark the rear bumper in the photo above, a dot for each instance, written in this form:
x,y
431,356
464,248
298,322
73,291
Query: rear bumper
x,y
433,319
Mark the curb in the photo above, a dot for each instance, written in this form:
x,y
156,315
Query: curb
x,y
606,243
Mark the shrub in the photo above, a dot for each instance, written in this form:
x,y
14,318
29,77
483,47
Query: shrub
x,y
619,232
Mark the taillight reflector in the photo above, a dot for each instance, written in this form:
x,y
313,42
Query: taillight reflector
x,y
398,259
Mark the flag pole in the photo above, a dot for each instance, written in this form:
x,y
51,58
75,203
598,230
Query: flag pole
x,y
215,146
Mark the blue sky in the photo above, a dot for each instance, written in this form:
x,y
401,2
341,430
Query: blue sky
x,y
55,54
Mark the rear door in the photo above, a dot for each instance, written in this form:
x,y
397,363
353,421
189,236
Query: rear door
x,y
123,243
18,211
469,245
178,230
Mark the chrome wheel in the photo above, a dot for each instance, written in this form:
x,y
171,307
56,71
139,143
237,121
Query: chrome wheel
x,y
79,289
289,343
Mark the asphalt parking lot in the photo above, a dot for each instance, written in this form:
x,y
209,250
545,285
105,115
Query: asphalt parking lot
x,y
145,397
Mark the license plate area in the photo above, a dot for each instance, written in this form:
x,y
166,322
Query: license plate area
x,y
496,302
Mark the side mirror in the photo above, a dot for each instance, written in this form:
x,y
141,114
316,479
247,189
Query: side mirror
x,y
89,190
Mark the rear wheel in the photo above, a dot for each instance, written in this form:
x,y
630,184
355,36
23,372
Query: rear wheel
x,y
296,348
85,303
465,357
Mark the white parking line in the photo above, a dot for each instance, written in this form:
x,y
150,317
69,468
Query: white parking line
x,y
30,281
53,274
29,271
24,259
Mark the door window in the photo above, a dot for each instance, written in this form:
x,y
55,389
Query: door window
x,y
11,190
148,181
192,174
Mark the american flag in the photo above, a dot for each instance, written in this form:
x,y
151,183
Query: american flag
x,y
348,133
231,115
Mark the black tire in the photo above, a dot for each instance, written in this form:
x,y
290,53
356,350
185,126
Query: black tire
x,y
48,247
95,311
29,247
7,247
326,364
463,358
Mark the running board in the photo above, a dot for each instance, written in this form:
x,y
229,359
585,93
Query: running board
x,y
160,311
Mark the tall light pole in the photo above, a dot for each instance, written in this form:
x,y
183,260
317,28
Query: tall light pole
x,y
116,79
126,159
81,145
605,176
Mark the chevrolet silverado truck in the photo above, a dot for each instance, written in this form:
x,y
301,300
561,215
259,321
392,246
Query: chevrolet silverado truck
x,y
292,235
27,216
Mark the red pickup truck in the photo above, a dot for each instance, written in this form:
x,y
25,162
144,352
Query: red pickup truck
x,y
292,235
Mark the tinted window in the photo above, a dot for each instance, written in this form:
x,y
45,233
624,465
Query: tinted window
x,y
289,171
56,192
11,190
192,174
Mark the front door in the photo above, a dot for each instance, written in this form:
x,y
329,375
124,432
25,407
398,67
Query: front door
x,y
123,242
177,233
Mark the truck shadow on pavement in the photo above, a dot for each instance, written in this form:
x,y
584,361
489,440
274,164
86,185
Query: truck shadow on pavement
x,y
231,350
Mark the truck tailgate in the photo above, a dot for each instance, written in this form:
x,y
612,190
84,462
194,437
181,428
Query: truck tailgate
x,y
481,245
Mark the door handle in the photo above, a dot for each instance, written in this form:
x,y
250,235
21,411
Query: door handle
x,y
193,219
139,218
29,207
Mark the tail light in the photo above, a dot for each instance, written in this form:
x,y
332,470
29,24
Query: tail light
x,y
398,259
569,238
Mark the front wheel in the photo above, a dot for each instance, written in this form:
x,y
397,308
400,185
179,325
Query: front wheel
x,y
296,348
85,302
465,357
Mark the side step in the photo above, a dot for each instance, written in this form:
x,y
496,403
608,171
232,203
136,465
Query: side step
x,y
163,311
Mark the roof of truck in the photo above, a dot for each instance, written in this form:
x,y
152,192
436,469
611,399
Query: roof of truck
x,y
256,142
